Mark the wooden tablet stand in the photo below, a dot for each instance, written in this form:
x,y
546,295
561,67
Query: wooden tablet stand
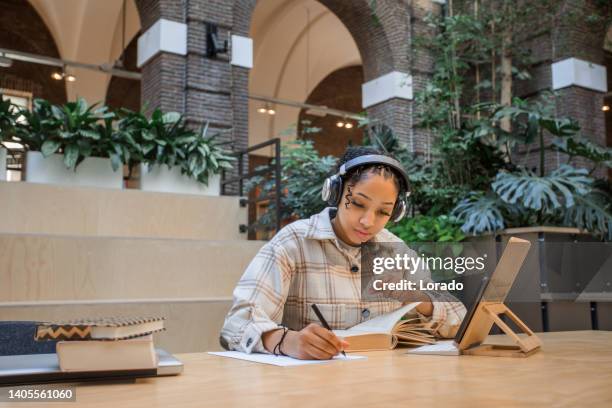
x,y
487,314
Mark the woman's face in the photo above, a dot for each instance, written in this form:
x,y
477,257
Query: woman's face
x,y
370,203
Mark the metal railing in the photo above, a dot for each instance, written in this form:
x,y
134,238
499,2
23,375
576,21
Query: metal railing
x,y
275,168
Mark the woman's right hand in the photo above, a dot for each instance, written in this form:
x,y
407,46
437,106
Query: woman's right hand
x,y
313,342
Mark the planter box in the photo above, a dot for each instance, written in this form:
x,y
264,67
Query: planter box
x,y
2,164
164,180
92,172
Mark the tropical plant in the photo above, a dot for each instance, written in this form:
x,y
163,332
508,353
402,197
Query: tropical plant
x,y
424,228
37,125
567,196
303,172
8,119
575,147
75,130
204,156
165,139
479,166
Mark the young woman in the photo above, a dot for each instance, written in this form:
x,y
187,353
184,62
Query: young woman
x,y
317,260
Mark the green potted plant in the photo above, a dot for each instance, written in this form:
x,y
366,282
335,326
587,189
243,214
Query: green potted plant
x,y
174,158
73,144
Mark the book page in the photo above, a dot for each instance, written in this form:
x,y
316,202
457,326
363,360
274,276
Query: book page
x,y
379,324
281,361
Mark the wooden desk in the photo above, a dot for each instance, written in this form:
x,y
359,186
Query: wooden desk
x,y
573,369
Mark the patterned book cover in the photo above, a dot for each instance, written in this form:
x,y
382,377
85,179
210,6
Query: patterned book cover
x,y
82,329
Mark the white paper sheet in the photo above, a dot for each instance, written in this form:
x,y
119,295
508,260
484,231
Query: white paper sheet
x,y
441,348
281,361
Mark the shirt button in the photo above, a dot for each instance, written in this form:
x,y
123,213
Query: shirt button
x,y
354,269
249,341
365,313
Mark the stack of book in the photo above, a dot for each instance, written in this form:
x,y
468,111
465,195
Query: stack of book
x,y
104,344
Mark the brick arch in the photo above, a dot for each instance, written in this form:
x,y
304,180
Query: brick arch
x,y
382,36
380,52
24,30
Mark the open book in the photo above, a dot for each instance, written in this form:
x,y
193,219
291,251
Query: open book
x,y
389,330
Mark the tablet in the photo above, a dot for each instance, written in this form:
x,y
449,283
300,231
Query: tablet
x,y
495,289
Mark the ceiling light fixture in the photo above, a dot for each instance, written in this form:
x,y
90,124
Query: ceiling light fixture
x,y
340,124
58,76
605,108
269,109
348,125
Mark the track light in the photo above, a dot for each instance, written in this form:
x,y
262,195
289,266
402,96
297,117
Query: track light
x,y
345,123
267,109
58,76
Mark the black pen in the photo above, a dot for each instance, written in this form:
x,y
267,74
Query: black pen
x,y
323,321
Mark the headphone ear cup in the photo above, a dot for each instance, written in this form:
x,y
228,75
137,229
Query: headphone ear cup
x,y
332,190
399,211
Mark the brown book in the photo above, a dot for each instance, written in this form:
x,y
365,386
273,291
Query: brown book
x,y
388,331
106,328
102,355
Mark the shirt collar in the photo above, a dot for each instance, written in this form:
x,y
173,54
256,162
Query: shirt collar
x,y
320,225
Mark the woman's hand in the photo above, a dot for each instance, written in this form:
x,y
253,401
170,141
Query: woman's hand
x,y
313,342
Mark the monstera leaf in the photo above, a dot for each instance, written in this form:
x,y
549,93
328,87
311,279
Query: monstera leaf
x,y
592,212
583,147
481,213
546,193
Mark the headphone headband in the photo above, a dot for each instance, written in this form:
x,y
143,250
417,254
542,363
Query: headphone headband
x,y
374,159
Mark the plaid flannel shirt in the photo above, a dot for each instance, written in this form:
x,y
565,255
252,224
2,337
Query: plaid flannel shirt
x,y
305,264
